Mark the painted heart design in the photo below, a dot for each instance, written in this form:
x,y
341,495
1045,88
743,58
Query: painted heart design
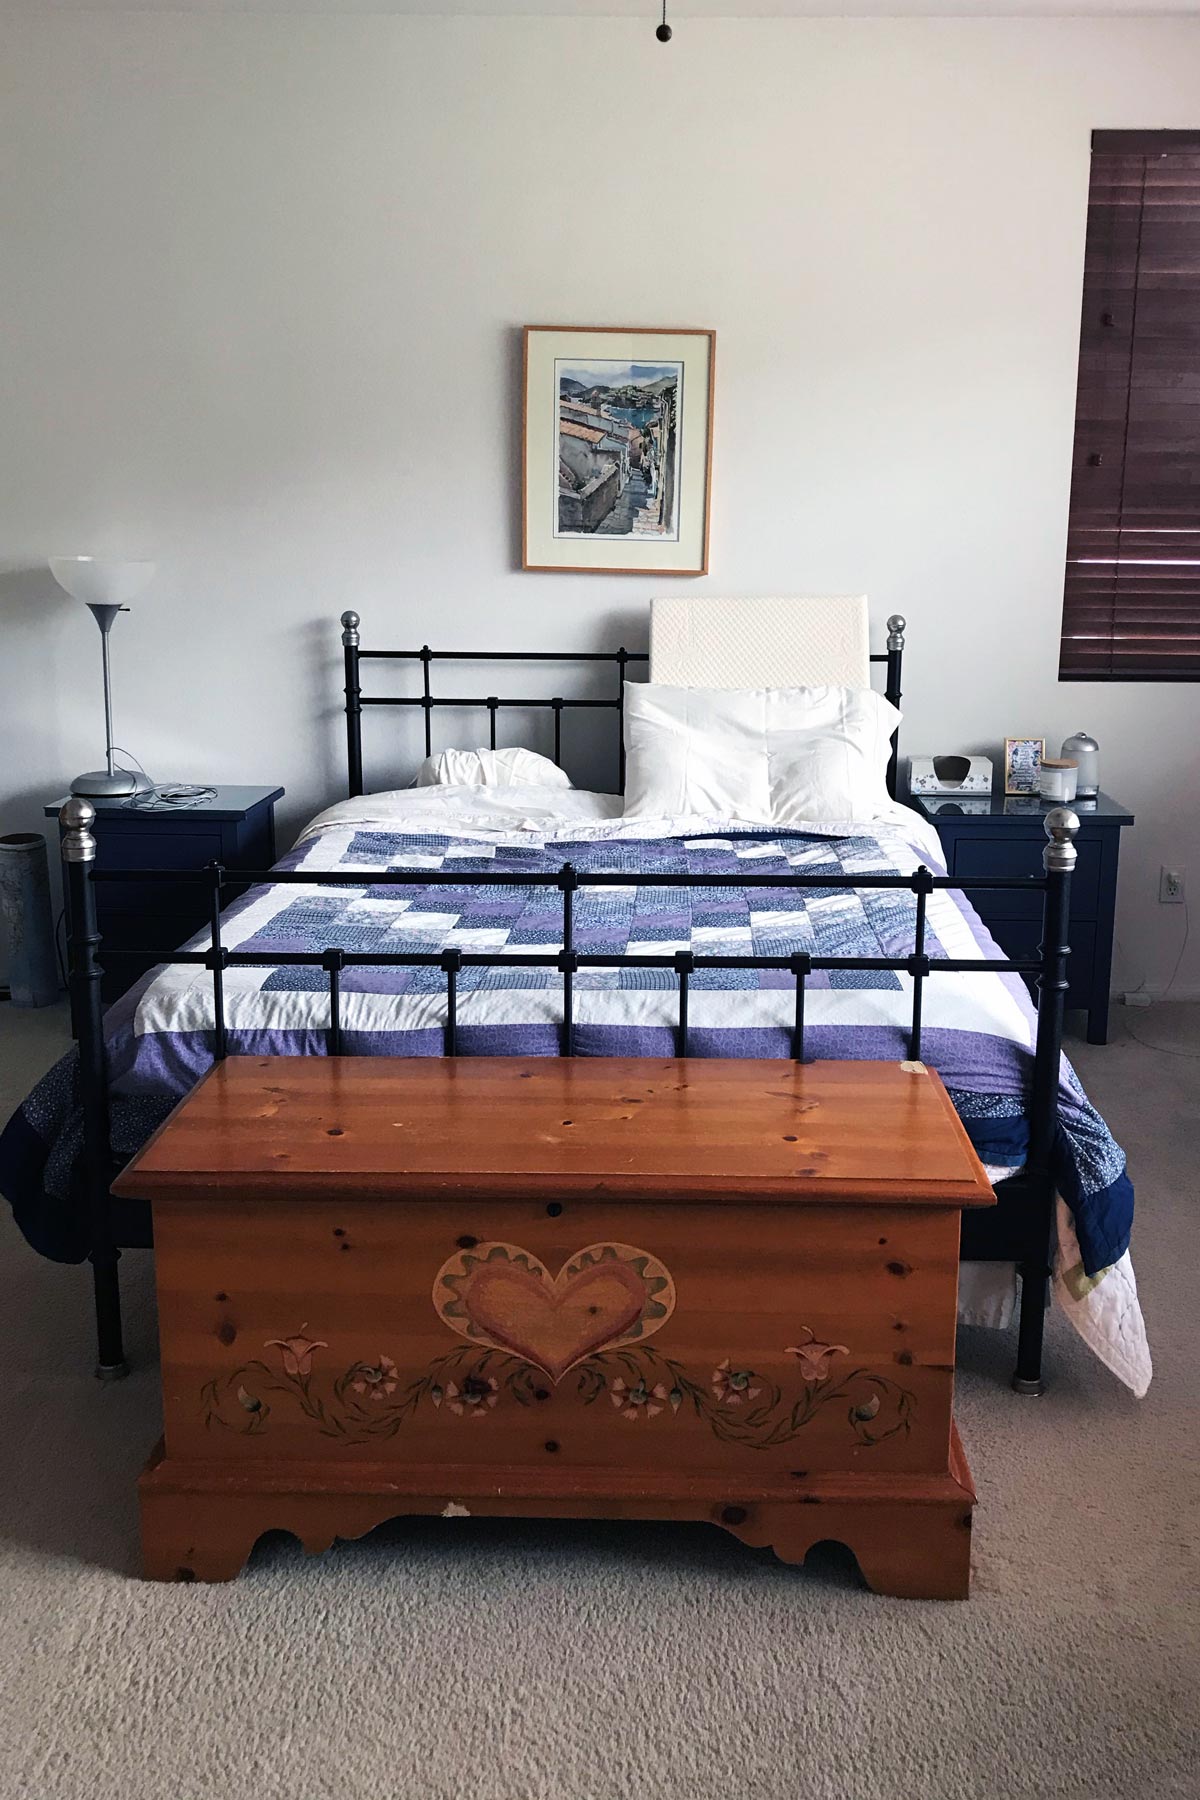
x,y
605,1295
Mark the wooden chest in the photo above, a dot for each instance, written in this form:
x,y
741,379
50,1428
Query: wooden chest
x,y
696,1289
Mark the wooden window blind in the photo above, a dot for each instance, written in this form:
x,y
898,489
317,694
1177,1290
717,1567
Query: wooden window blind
x,y
1131,610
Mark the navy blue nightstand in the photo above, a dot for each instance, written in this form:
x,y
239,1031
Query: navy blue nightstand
x,y
236,827
1004,836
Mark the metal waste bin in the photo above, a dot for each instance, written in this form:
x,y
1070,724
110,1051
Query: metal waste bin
x,y
26,920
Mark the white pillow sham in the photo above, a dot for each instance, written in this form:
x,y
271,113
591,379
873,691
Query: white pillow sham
x,y
490,768
770,756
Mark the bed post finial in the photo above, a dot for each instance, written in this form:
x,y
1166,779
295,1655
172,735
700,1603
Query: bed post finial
x,y
350,623
896,626
1060,825
77,817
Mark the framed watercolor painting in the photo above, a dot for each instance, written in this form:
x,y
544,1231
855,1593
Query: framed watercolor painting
x,y
1023,764
617,449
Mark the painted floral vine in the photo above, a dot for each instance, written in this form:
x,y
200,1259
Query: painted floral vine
x,y
367,1402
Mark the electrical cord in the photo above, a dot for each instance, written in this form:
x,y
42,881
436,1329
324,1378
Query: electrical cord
x,y
59,950
171,796
1187,931
1164,1049
162,796
1161,1049
1122,959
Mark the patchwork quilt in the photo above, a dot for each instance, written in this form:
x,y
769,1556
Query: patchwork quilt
x,y
978,1028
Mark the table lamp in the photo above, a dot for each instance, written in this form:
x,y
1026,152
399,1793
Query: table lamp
x,y
104,585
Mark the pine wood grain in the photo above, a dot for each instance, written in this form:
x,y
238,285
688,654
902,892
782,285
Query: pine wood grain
x,y
394,1127
238,1278
911,1535
651,1289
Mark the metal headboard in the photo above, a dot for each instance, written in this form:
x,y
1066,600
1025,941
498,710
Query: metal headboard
x,y
621,659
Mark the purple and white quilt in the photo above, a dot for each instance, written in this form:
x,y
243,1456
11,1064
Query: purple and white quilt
x,y
977,1028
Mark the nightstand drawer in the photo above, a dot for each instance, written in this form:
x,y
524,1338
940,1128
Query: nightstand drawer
x,y
1020,938
1007,854
135,847
161,850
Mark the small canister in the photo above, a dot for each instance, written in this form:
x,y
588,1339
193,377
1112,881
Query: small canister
x,y
1057,780
1084,751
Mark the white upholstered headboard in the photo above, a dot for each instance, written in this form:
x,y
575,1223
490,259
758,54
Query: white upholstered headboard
x,y
701,641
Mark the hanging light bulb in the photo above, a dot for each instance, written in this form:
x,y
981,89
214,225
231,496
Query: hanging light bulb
x,y
663,33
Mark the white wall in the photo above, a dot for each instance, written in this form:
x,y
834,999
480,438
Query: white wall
x,y
260,282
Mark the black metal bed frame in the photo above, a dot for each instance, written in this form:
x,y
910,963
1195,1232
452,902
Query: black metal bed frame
x,y
354,655
1018,1229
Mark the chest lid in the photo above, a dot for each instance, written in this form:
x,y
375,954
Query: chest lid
x,y
661,1129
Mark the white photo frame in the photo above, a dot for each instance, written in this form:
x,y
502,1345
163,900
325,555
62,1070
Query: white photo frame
x,y
1023,764
617,449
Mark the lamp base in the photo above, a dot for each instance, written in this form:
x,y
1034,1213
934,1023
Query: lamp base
x,y
98,784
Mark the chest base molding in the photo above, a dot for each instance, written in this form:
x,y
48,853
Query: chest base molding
x,y
911,1534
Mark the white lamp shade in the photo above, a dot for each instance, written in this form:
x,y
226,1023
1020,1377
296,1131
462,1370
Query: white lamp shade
x,y
100,580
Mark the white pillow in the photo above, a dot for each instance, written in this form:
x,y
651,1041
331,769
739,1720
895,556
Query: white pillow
x,y
769,756
490,768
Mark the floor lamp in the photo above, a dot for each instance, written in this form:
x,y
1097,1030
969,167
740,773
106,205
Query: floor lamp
x,y
104,585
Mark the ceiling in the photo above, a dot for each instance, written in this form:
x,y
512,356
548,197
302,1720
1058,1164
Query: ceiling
x,y
679,10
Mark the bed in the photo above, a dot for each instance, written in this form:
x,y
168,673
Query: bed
x,y
535,919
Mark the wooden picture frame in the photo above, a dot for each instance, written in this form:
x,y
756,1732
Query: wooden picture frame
x,y
616,449
1022,764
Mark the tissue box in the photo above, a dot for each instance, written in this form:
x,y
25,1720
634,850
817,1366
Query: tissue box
x,y
949,774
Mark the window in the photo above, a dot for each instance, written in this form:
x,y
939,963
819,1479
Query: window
x,y
1131,610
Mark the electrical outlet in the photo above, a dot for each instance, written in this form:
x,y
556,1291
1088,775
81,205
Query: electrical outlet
x,y
1170,886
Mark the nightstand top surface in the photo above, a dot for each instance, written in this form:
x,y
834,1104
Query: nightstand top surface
x,y
227,803
1016,809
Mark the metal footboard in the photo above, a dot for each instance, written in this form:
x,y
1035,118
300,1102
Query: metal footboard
x,y
1036,1180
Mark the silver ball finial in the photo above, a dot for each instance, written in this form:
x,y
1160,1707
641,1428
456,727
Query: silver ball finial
x,y
77,816
350,623
1060,826
896,625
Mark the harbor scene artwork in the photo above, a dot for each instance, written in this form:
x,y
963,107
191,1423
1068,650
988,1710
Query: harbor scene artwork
x,y
618,448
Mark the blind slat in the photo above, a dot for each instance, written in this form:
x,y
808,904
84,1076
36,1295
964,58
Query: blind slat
x,y
1131,593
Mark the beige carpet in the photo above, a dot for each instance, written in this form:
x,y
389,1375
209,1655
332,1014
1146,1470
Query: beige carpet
x,y
468,1660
